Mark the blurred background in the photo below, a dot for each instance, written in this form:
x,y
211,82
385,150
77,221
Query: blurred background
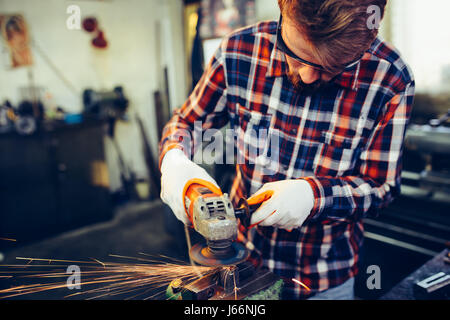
x,y
86,87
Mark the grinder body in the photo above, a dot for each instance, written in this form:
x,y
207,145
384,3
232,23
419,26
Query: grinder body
x,y
212,215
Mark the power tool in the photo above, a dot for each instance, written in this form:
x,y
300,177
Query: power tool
x,y
212,214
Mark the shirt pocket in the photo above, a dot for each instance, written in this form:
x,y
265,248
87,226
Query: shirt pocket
x,y
253,135
336,155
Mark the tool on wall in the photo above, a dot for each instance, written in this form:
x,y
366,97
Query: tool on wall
x,y
154,175
161,96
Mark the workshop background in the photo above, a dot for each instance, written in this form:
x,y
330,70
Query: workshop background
x,y
86,87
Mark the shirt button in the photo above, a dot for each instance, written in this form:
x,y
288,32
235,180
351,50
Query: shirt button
x,y
294,131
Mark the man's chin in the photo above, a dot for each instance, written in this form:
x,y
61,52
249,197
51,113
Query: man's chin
x,y
307,89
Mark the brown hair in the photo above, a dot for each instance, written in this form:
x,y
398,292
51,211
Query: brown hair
x,y
337,29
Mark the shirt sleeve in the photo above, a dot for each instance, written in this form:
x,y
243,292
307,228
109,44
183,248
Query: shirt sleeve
x,y
204,109
379,171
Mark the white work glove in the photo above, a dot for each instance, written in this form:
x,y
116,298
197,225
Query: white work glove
x,y
176,171
289,205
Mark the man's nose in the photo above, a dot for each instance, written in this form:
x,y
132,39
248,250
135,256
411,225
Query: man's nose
x,y
308,75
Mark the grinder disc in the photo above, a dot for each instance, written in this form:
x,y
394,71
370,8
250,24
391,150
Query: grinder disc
x,y
204,255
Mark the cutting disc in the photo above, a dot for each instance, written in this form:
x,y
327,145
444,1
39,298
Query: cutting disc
x,y
204,255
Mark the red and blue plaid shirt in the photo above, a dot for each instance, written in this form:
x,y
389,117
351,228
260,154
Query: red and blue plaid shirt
x,y
346,141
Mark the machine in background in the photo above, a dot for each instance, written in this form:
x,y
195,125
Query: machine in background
x,y
427,155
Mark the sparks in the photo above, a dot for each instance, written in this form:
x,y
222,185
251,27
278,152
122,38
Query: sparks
x,y
147,279
301,284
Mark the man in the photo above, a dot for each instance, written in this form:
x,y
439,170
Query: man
x,y
338,100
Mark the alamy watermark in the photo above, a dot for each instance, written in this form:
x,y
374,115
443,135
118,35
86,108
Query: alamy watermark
x,y
373,282
73,21
254,146
374,19
74,279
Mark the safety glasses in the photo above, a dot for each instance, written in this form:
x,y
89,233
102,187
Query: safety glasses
x,y
281,45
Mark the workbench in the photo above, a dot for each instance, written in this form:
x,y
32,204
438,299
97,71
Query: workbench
x,y
53,180
404,290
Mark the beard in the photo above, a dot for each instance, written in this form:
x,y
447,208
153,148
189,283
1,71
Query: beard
x,y
307,88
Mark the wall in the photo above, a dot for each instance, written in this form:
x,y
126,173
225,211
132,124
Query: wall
x,y
131,60
420,31
267,10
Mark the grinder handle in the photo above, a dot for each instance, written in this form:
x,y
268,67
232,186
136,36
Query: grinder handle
x,y
249,206
260,198
246,207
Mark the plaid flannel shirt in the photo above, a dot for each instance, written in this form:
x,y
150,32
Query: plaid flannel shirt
x,y
346,141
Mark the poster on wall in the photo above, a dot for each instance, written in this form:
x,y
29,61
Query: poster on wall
x,y
220,17
16,40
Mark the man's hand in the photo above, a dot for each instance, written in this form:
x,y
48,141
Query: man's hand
x,y
288,207
177,170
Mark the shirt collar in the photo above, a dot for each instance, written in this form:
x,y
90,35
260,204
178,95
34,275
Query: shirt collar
x,y
349,78
277,64
278,67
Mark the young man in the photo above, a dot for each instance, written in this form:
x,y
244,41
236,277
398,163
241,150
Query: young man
x,y
338,100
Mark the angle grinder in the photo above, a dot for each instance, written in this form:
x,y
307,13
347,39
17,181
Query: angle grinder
x,y
212,214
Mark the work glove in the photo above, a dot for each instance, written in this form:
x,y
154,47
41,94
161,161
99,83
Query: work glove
x,y
176,171
285,204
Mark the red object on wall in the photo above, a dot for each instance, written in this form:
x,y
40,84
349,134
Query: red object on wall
x,y
100,41
90,24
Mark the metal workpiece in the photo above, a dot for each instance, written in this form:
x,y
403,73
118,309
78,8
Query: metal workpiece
x,y
229,279
436,286
231,283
